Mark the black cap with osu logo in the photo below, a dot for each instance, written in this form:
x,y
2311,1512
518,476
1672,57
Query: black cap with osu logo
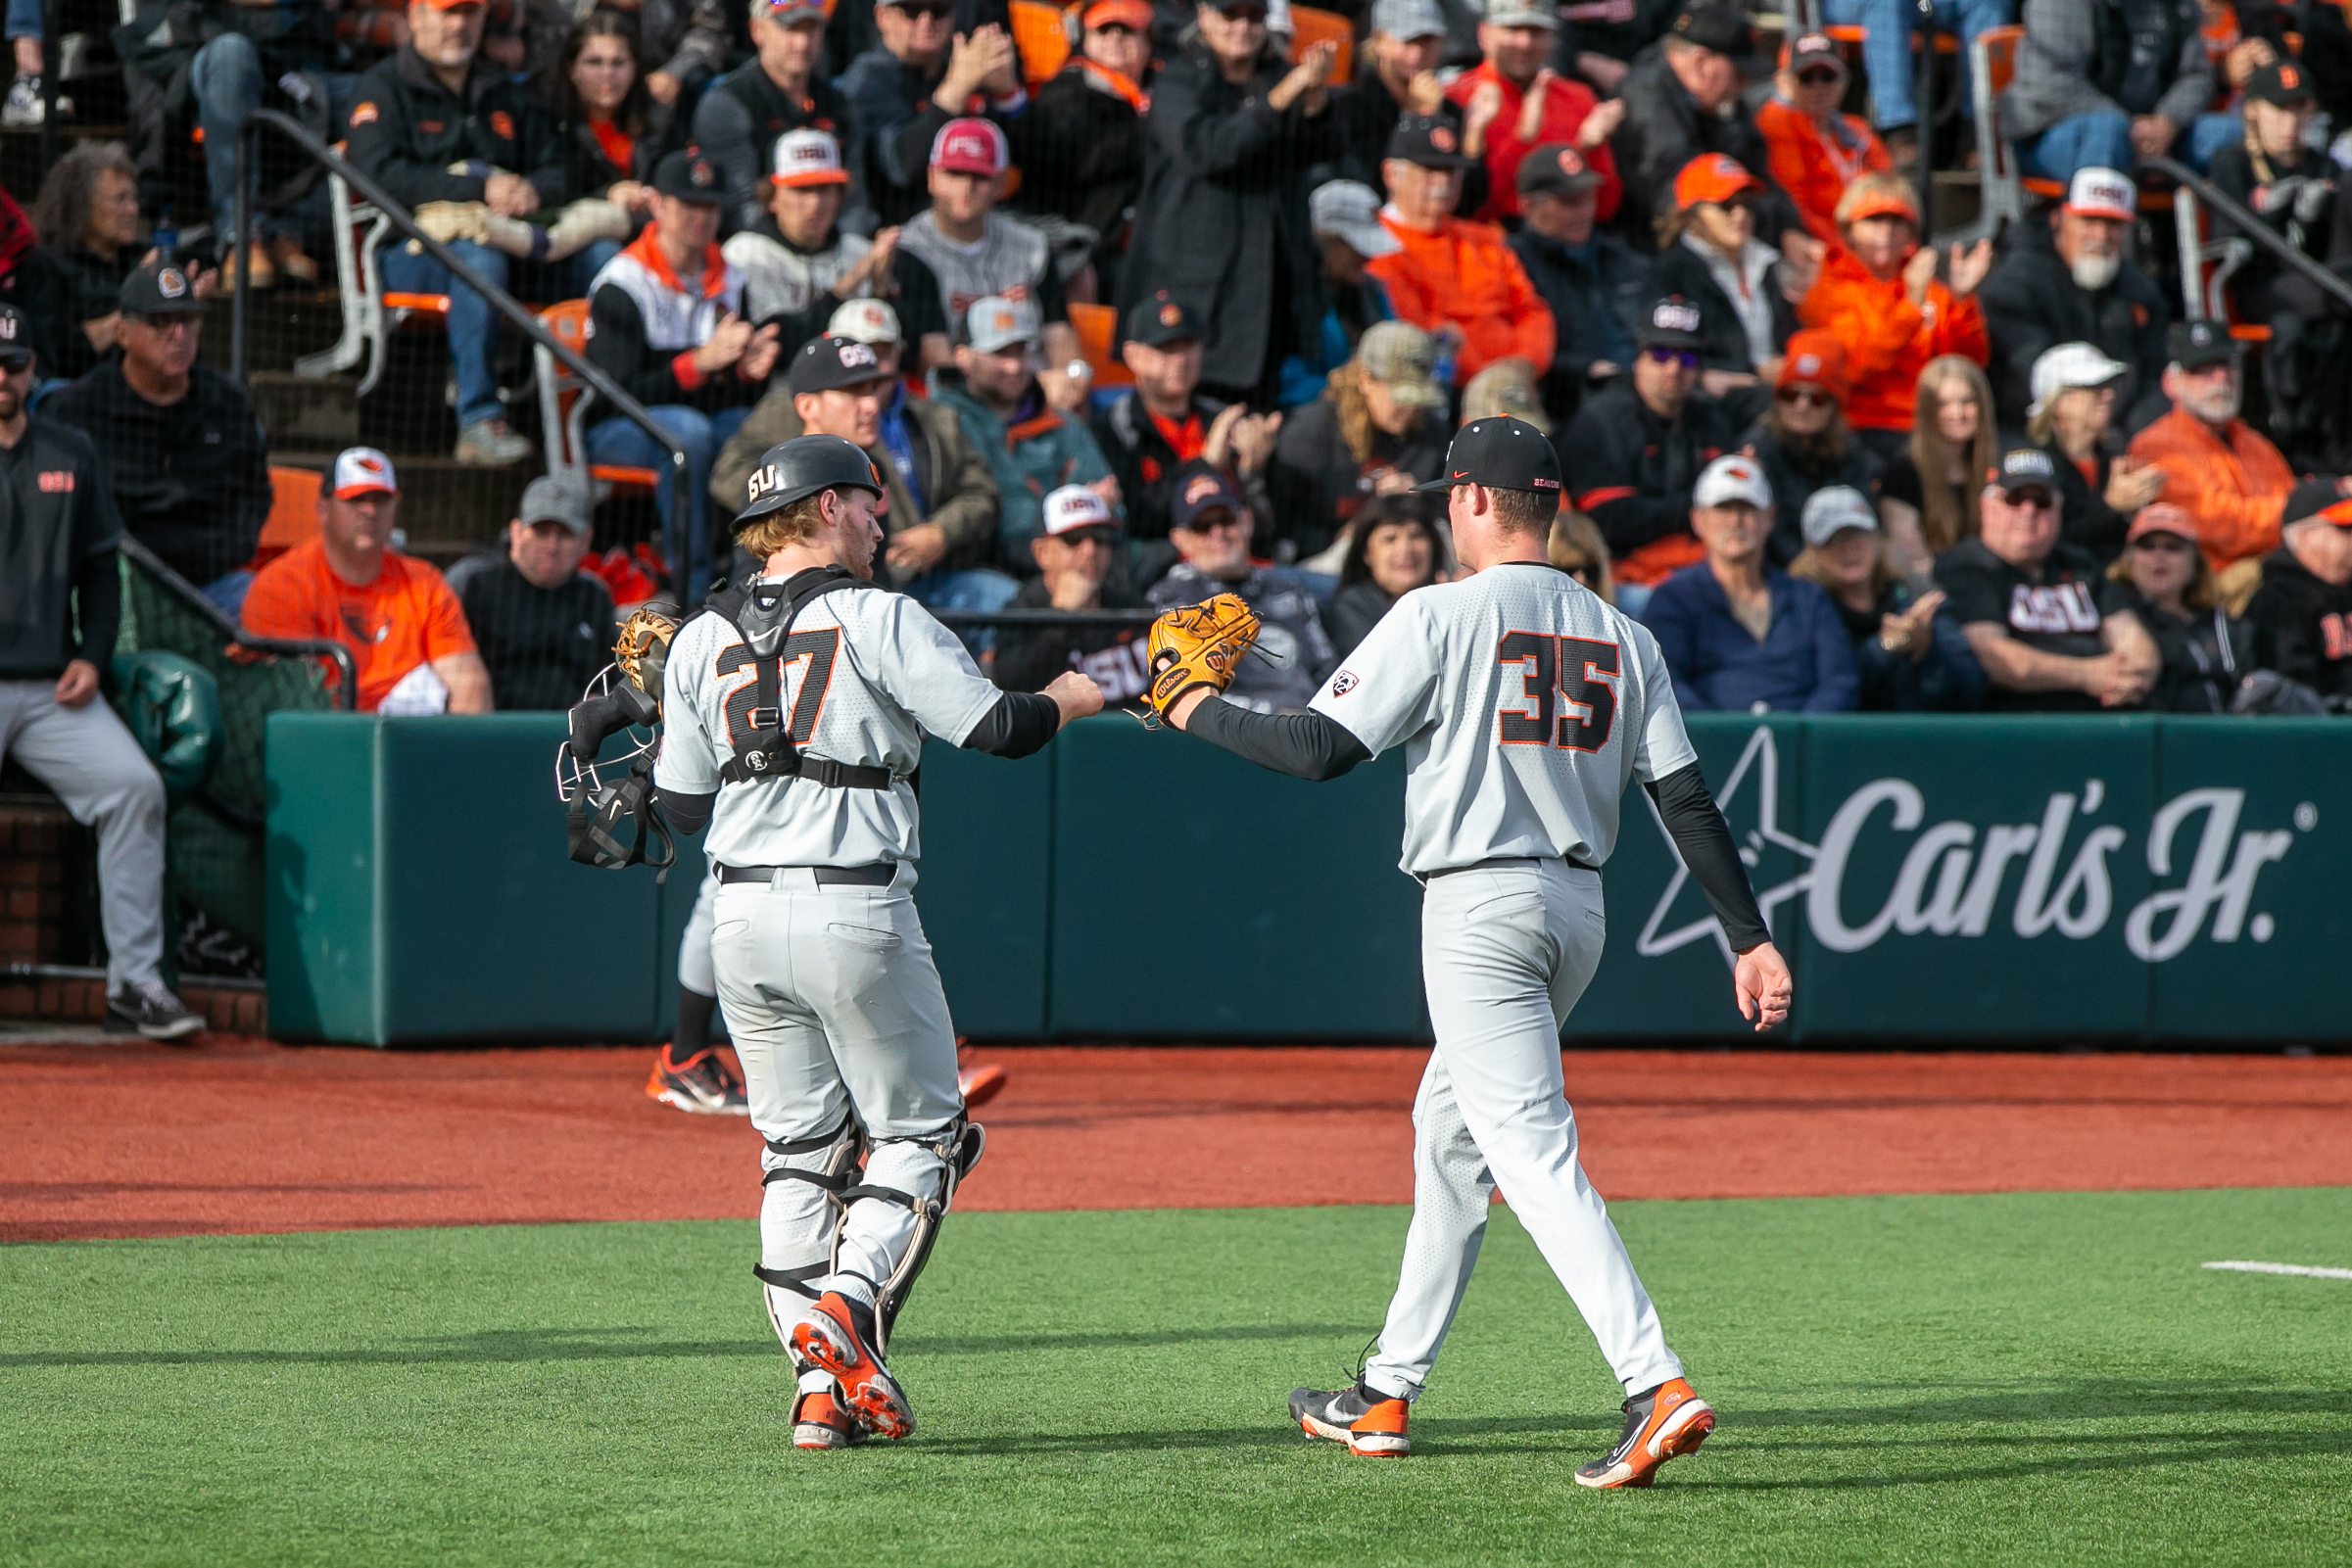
x,y
1500,454
16,339
690,177
159,288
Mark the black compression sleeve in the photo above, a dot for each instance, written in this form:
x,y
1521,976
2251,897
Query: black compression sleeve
x,y
1705,841
1304,745
1022,722
685,814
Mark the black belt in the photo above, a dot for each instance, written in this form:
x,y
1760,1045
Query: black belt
x,y
1501,861
879,874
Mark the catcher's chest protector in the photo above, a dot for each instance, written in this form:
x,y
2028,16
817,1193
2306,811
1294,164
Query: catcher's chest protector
x,y
765,745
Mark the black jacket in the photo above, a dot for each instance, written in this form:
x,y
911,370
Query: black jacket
x,y
1355,610
406,129
2303,185
737,123
1317,485
1079,151
86,286
2302,625
1029,657
540,645
1143,460
2205,653
1681,270
1794,478
191,479
1632,472
57,554
2085,519
1596,293
1222,223
1364,115
2032,304
1663,130
892,123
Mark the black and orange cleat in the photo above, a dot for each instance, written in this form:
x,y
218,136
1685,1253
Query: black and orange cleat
x,y
832,1337
1661,1423
821,1421
978,1081
704,1084
1367,1421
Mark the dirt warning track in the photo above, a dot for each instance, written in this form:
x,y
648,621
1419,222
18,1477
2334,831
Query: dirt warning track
x,y
241,1135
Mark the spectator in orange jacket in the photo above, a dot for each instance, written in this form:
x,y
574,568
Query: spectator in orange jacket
x,y
1879,296
1814,151
2228,478
1451,276
1532,105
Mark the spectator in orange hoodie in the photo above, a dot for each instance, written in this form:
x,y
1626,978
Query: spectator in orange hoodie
x,y
1532,105
1451,276
1815,152
2221,470
1879,296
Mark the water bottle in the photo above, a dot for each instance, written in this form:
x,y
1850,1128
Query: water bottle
x,y
166,236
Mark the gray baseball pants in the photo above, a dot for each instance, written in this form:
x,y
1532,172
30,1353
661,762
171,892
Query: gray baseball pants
x,y
1506,948
835,1007
89,760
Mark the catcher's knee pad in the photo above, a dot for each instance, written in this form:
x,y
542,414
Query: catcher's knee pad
x,y
802,1207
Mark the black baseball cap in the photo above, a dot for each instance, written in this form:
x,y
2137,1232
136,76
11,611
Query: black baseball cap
x,y
1669,324
2020,466
16,338
2317,498
690,177
2281,82
159,288
2199,345
830,363
1556,168
1500,454
1161,320
1202,487
1428,140
1714,26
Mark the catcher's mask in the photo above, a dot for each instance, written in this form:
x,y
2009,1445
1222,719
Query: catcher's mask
x,y
616,823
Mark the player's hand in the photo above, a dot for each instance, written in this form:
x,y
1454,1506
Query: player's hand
x,y
918,550
1761,983
1075,695
76,685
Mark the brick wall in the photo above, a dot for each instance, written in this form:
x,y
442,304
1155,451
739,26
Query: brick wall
x,y
227,1009
32,879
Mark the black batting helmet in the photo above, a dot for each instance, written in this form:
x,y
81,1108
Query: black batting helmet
x,y
803,467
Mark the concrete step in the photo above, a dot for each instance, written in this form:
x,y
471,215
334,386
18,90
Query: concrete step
x,y
302,413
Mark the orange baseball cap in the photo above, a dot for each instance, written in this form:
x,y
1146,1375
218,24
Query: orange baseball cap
x,y
2162,518
451,4
1136,13
1712,178
1881,203
1817,357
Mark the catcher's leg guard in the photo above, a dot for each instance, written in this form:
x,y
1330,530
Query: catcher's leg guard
x,y
801,1215
959,1150
895,1212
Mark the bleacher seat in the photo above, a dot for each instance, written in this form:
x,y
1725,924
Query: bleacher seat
x,y
1311,27
293,513
563,400
1039,39
368,312
1097,328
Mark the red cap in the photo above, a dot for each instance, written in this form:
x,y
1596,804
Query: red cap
x,y
1712,178
1136,13
1817,357
2162,518
970,147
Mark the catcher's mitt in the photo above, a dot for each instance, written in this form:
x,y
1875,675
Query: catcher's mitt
x,y
643,646
1198,645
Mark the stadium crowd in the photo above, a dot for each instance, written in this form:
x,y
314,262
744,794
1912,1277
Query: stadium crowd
x,y
1832,464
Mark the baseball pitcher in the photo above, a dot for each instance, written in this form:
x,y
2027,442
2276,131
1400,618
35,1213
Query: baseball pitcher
x,y
1525,705
795,713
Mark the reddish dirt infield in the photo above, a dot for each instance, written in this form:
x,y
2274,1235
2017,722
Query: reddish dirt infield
x,y
243,1136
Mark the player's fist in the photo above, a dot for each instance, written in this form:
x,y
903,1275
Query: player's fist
x,y
1760,984
1075,695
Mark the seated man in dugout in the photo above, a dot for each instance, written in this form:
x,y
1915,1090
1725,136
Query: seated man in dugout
x,y
405,629
2052,631
544,626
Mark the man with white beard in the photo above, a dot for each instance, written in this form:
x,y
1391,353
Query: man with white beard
x,y
2221,470
2077,285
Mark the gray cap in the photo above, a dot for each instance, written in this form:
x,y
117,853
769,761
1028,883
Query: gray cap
x,y
557,499
994,323
1522,14
1349,211
1408,18
1829,512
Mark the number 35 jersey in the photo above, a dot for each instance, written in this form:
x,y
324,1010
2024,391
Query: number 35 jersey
x,y
1525,705
865,673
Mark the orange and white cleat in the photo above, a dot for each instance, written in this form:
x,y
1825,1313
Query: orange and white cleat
x,y
821,1421
832,1337
703,1084
1367,1421
979,1082
1667,1420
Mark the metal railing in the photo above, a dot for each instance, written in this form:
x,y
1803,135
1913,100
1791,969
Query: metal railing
x,y
1025,617
2194,188
520,315
347,694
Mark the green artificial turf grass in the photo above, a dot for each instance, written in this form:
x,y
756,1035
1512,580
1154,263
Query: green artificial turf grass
x,y
2027,1378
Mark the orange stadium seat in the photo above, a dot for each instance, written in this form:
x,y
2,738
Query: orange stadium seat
x,y
559,415
1039,38
1097,326
293,512
1311,27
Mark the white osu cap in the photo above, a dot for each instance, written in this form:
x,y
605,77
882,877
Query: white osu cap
x,y
2071,364
1830,511
364,471
869,321
808,156
1730,479
2104,193
1074,506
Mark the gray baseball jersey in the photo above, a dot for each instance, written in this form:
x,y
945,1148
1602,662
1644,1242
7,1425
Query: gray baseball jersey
x,y
1009,259
1525,705
865,674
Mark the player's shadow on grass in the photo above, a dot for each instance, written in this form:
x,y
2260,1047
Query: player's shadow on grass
x,y
510,1347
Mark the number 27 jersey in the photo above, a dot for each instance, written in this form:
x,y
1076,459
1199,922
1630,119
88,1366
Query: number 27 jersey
x,y
1525,705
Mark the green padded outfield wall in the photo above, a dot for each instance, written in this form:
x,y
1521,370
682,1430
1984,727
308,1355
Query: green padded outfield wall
x,y
2121,880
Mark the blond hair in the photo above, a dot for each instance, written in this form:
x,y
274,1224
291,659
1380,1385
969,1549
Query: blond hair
x,y
1943,521
795,524
1345,388
1576,541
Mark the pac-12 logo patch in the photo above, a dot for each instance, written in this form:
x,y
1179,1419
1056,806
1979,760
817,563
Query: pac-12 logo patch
x,y
1343,683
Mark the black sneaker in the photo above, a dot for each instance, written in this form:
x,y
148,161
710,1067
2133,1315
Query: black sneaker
x,y
149,1008
1367,1421
702,1084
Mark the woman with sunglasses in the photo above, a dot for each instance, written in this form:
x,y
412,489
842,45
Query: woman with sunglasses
x,y
2206,650
1804,442
1815,152
1746,300
1221,222
1879,294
